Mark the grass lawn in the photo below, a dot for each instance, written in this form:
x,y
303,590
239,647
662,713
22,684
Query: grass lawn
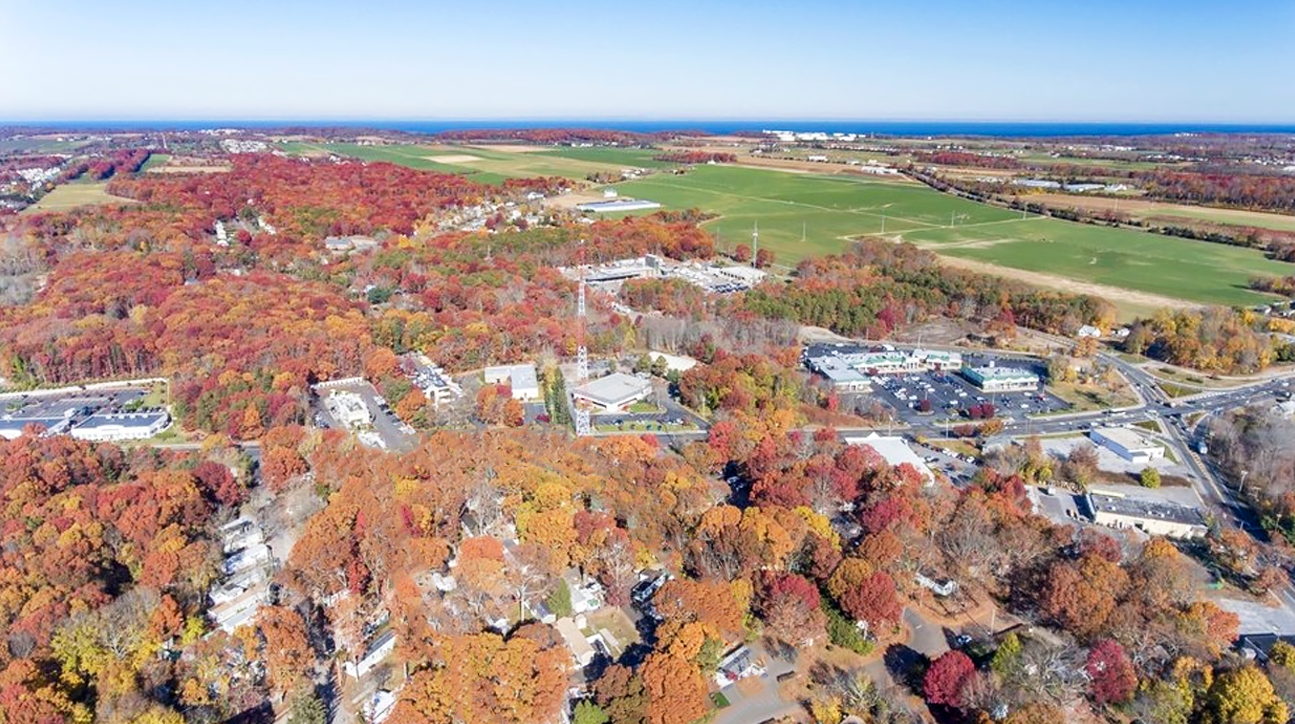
x,y
956,446
1086,398
719,700
155,160
74,194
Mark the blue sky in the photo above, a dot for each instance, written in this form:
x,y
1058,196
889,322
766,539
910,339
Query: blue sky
x,y
1132,60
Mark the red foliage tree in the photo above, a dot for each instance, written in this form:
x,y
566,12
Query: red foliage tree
x,y
1111,673
947,677
874,600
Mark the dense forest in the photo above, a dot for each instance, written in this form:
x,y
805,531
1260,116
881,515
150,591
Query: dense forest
x,y
878,287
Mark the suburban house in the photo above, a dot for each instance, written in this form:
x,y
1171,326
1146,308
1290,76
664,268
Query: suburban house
x,y
1127,444
582,652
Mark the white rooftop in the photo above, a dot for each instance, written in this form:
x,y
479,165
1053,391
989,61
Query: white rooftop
x,y
613,389
1126,438
895,451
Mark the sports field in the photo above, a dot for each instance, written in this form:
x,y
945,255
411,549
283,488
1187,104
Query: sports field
x,y
828,211
78,193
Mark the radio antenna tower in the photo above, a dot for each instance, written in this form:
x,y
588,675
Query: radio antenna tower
x,y
755,241
581,416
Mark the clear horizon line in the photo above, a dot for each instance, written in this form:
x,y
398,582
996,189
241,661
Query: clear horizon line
x,y
351,120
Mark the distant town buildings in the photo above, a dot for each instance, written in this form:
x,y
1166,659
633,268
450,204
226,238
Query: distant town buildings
x,y
235,146
521,378
87,416
1127,443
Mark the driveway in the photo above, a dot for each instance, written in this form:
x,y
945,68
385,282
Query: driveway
x,y
763,704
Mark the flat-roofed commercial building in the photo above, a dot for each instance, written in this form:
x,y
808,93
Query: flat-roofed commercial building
x,y
110,427
1127,444
613,393
895,451
521,378
1001,379
1150,516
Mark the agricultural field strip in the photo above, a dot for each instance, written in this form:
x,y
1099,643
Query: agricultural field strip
x,y
857,210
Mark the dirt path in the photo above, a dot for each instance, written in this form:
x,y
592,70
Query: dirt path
x,y
1052,281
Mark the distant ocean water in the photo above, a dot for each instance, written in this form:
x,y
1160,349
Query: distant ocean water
x,y
884,128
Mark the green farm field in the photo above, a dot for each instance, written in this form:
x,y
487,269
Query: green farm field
x,y
832,210
826,211
490,164
1163,265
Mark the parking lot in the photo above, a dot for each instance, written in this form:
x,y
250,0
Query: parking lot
x,y
384,431
672,418
951,396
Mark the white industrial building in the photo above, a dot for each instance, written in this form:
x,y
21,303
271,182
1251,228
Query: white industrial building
x,y
613,393
895,451
1127,444
12,426
830,360
521,378
1153,517
115,426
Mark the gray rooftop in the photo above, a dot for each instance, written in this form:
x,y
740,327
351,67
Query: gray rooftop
x,y
127,419
1144,508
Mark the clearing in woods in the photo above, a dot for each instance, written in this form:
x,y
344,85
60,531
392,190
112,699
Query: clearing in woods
x,y
74,194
